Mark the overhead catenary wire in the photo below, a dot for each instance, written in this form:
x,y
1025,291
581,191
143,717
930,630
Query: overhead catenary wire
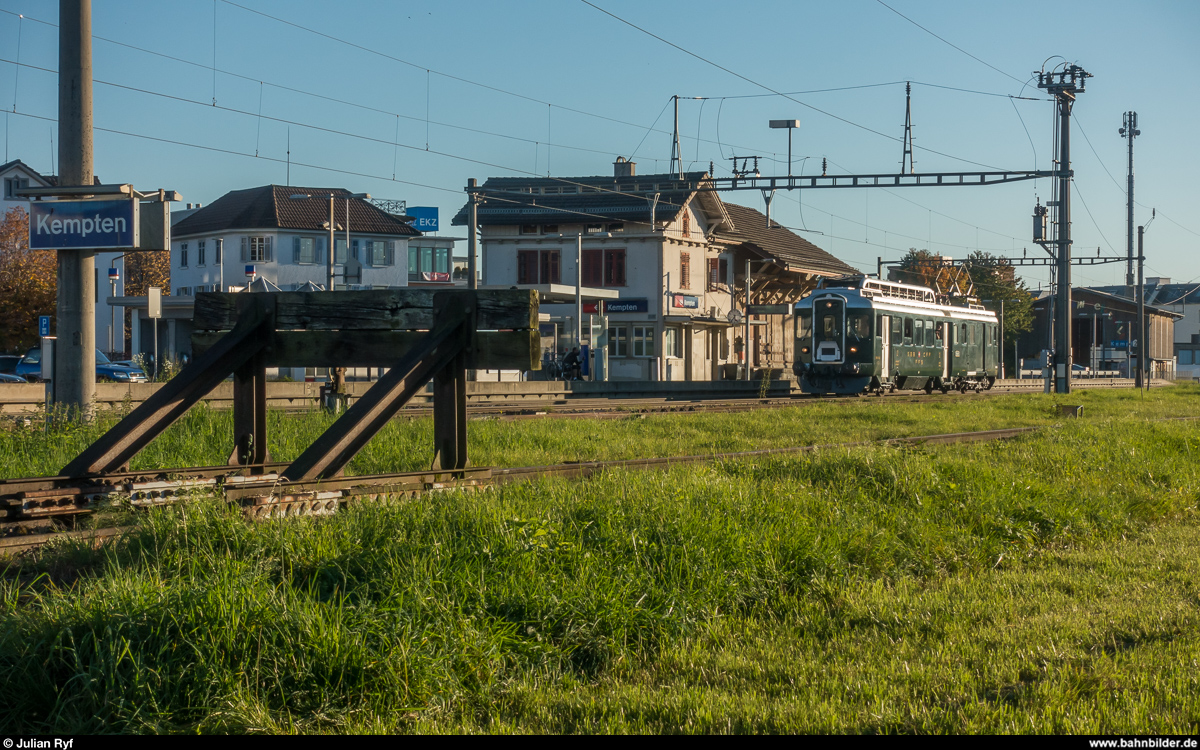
x,y
952,44
359,105
774,91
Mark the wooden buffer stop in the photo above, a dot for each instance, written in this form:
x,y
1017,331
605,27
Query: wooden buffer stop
x,y
418,334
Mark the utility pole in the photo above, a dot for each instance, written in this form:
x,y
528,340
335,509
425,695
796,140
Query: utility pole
x,y
75,357
1130,131
1063,85
907,157
1142,348
746,334
676,152
472,239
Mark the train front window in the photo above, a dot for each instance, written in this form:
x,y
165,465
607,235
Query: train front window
x,y
803,323
829,326
858,325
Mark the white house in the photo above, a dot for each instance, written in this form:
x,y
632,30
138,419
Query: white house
x,y
280,234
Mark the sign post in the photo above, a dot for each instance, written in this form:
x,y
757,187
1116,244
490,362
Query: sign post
x,y
84,218
154,312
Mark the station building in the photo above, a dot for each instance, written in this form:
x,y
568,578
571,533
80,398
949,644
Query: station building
x,y
660,264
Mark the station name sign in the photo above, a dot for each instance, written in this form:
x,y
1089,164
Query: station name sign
x,y
83,225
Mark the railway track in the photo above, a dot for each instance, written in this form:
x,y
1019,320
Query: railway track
x,y
38,510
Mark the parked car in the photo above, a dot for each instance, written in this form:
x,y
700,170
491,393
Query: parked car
x,y
30,368
8,363
6,378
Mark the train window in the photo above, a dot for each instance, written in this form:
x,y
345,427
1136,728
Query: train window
x,y
962,334
908,328
919,332
937,333
929,333
829,325
804,323
859,325
993,333
895,328
971,334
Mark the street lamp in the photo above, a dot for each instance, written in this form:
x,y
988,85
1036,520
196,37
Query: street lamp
x,y
338,374
789,125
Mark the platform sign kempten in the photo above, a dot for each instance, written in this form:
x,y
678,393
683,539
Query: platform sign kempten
x,y
84,225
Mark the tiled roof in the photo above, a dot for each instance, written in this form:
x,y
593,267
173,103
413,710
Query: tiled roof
x,y
792,250
572,200
271,207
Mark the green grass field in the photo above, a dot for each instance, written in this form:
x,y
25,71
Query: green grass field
x,y
1042,584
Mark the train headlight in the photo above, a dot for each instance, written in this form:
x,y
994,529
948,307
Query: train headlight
x,y
853,349
804,350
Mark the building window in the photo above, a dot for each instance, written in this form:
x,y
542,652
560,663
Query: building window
x,y
218,246
304,250
718,273
529,229
527,261
257,250
538,267
593,268
183,255
201,252
593,228
339,252
618,341
1185,356
685,270
378,252
687,223
429,263
549,229
616,227
13,184
643,341
550,267
614,268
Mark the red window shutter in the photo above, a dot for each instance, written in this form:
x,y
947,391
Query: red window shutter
x,y
614,271
527,267
714,268
685,270
550,267
593,268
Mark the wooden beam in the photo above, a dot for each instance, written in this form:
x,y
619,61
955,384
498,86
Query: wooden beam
x,y
370,310
490,350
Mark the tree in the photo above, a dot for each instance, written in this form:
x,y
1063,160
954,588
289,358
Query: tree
x,y
996,280
144,270
28,283
919,267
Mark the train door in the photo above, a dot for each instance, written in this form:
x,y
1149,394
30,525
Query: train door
x,y
943,342
958,339
885,346
829,330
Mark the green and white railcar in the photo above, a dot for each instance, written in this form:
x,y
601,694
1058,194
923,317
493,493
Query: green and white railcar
x,y
863,335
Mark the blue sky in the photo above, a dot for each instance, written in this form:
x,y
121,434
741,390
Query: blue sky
x,y
418,96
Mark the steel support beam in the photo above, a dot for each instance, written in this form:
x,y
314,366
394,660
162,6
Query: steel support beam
x,y
250,413
443,347
113,450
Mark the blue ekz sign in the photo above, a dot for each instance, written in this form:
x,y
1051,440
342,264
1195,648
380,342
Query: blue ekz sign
x,y
83,225
425,218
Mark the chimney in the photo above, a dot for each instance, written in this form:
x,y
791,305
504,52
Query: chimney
x,y
623,167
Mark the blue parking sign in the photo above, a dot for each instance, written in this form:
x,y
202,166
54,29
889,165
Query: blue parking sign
x,y
44,325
